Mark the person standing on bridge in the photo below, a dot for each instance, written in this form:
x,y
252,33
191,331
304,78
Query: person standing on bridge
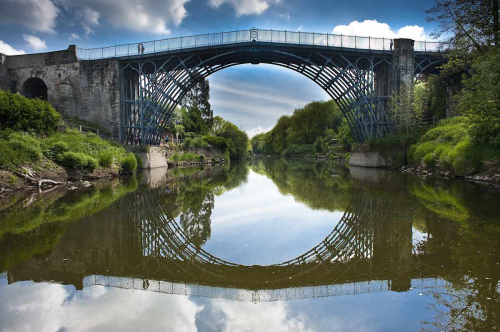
x,y
392,44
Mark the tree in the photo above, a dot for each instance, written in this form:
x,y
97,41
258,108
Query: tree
x,y
218,125
237,141
470,29
479,101
197,100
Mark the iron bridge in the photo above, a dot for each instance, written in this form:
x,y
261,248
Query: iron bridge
x,y
358,73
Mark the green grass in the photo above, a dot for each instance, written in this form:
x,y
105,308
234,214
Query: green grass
x,y
449,147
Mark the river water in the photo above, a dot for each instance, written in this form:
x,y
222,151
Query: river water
x,y
270,245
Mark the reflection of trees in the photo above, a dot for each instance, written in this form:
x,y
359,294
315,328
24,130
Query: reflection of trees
x,y
16,248
61,205
317,185
466,231
193,199
195,221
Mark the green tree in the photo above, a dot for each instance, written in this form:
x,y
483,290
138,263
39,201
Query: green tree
x,y
237,141
197,104
479,101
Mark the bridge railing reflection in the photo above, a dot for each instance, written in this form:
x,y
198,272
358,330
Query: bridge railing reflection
x,y
246,295
245,36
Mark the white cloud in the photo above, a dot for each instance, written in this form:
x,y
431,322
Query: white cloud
x,y
285,16
259,130
246,7
372,28
38,15
153,16
35,43
74,36
243,316
9,50
53,307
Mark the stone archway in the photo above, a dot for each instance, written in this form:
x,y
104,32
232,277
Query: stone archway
x,y
35,87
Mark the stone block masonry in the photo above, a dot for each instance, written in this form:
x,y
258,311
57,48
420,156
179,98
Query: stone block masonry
x,y
88,90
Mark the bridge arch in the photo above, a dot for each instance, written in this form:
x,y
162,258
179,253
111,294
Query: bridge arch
x,y
152,88
35,87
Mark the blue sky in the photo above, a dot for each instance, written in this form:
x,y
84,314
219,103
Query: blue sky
x,y
258,95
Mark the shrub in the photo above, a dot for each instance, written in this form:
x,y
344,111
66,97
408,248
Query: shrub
x,y
201,157
218,142
298,150
139,161
129,163
22,114
106,158
78,161
175,157
56,149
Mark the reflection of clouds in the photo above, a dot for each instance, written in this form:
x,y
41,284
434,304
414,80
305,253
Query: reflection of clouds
x,y
244,316
268,228
49,307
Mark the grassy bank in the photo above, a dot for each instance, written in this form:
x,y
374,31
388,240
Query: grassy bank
x,y
31,147
447,148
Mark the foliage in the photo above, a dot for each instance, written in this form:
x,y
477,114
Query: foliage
x,y
449,147
17,149
89,144
77,160
217,142
197,106
298,150
106,159
302,129
407,108
139,161
479,101
237,141
19,113
129,163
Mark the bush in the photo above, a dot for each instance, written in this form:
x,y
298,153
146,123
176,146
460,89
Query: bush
x,y
298,150
106,158
175,157
450,148
18,149
129,163
56,149
217,142
201,158
139,161
22,114
78,161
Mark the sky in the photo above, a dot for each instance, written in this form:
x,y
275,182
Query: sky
x,y
252,97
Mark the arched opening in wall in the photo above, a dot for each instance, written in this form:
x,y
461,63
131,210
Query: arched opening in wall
x,y
34,87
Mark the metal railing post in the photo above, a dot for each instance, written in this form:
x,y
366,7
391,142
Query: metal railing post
x,y
154,46
102,52
383,43
285,36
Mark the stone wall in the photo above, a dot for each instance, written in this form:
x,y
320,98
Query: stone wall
x,y
88,90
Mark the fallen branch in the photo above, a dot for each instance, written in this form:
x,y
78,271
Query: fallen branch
x,y
51,182
38,182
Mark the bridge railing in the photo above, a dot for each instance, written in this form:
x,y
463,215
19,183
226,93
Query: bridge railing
x,y
245,36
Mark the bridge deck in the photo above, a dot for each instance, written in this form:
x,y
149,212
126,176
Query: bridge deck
x,y
330,41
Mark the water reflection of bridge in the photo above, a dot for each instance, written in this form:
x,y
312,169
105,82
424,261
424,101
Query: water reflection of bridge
x,y
370,249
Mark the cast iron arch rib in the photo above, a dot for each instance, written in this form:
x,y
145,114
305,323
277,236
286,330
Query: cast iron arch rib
x,y
152,89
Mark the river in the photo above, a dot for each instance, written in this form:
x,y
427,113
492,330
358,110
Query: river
x,y
268,245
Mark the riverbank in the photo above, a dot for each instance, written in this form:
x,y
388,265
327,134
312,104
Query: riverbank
x,y
445,150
